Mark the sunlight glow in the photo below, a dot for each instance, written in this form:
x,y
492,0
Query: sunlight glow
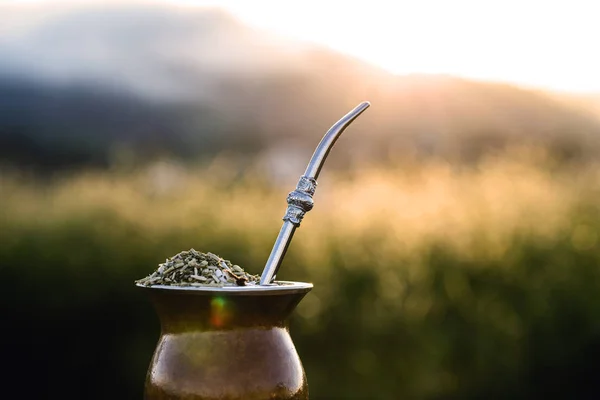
x,y
549,44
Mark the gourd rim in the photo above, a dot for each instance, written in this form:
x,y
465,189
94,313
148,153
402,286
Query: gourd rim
x,y
278,287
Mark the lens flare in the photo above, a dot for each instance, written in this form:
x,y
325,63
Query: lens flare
x,y
220,312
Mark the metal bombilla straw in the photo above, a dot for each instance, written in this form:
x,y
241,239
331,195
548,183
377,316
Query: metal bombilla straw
x,y
300,200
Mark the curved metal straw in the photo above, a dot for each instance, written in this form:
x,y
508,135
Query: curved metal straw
x,y
300,200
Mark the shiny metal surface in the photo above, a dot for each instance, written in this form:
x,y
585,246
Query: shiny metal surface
x,y
279,248
280,287
300,200
322,151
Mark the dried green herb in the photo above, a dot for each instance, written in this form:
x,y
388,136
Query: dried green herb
x,y
194,268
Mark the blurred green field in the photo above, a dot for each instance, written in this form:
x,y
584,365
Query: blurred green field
x,y
432,281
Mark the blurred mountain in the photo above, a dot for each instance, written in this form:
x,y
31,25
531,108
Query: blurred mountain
x,y
91,84
588,102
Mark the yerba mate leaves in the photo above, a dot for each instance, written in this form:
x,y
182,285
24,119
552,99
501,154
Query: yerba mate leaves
x,y
194,268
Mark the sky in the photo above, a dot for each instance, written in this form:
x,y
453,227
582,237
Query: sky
x,y
551,44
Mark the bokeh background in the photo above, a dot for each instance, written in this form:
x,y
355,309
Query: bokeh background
x,y
454,242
